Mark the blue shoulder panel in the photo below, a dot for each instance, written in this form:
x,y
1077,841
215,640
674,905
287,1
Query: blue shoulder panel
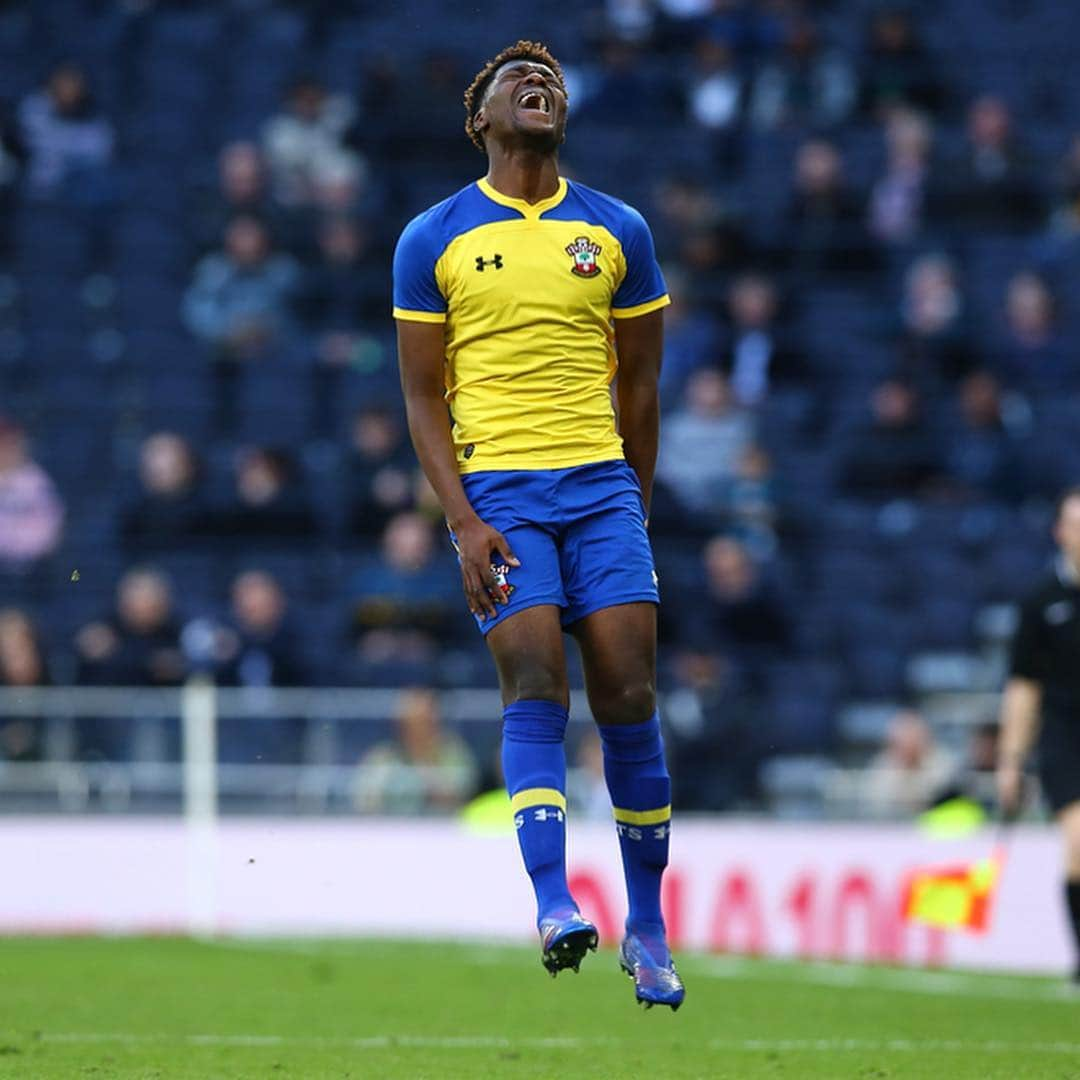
x,y
643,281
428,235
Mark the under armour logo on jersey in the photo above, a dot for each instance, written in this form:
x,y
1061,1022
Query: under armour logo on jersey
x,y
481,262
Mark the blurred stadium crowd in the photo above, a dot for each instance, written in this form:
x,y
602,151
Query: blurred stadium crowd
x,y
869,219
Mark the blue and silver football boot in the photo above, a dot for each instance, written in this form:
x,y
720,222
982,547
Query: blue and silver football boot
x,y
565,939
647,960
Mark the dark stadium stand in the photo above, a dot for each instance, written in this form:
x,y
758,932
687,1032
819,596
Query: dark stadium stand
x,y
99,351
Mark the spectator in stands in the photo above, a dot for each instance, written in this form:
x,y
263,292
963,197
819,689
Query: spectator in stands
x,y
898,201
1033,354
894,455
623,91
990,185
379,471
406,599
934,338
750,502
138,645
897,68
909,772
269,505
258,646
808,85
425,769
305,144
68,142
984,455
737,608
760,353
266,647
22,664
242,191
825,231
169,510
702,234
1059,244
346,287
31,513
713,730
715,92
702,441
239,299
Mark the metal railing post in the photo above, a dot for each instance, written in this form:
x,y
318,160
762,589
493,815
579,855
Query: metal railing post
x,y
198,712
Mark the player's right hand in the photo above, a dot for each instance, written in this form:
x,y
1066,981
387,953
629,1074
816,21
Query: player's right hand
x,y
1010,788
478,545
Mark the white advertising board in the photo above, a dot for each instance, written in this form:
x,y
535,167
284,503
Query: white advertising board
x,y
776,889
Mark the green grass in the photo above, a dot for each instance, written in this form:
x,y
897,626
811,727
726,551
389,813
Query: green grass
x,y
167,1008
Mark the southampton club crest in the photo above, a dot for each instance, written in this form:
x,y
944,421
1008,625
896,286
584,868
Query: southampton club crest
x,y
584,252
501,572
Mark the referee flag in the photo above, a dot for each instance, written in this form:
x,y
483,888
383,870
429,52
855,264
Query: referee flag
x,y
958,897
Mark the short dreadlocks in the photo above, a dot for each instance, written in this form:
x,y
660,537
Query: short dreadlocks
x,y
521,50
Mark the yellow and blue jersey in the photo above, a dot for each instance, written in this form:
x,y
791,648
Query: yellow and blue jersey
x,y
527,294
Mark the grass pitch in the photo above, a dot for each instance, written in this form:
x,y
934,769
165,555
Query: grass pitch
x,y
166,1008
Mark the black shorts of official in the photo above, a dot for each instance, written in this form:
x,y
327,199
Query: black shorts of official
x,y
1059,761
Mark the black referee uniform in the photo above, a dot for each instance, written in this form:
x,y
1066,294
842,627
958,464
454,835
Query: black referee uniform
x,y
1046,650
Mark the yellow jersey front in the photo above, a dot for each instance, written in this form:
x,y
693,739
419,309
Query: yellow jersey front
x,y
527,294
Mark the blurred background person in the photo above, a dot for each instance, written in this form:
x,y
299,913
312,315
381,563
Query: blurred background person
x,y
1040,709
268,505
170,510
239,299
31,511
69,143
702,441
424,768
22,664
908,773
305,143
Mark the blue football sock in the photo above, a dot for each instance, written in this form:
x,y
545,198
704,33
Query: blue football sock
x,y
534,765
640,789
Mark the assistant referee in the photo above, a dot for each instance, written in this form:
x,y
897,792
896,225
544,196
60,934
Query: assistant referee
x,y
1042,698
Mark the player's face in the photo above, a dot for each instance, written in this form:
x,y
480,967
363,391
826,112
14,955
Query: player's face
x,y
524,99
1067,531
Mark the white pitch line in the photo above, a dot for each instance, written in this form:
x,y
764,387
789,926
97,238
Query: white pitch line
x,y
500,1042
951,984
369,1042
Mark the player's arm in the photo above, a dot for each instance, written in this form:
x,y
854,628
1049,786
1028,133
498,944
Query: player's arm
x,y
1020,719
639,342
422,356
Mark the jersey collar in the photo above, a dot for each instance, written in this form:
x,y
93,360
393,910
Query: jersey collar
x,y
528,210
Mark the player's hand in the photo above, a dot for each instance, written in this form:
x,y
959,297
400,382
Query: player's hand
x,y
1010,788
478,543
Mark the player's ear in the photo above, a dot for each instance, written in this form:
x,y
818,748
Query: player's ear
x,y
479,121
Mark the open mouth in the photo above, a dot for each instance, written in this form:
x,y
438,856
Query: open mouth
x,y
534,101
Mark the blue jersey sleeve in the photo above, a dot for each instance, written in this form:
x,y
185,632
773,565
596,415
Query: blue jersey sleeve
x,y
642,288
416,292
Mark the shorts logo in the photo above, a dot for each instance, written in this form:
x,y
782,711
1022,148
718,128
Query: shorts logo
x,y
501,572
584,252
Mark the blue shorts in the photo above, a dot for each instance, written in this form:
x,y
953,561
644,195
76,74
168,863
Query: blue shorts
x,y
579,534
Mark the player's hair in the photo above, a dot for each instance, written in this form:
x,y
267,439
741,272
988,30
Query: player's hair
x,y
1070,493
521,50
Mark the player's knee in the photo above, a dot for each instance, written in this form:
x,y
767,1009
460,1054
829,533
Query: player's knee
x,y
632,703
536,682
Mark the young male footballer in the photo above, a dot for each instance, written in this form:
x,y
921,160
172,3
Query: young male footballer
x,y
519,301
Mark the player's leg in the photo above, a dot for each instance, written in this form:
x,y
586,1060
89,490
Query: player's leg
x,y
1069,816
531,662
618,649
